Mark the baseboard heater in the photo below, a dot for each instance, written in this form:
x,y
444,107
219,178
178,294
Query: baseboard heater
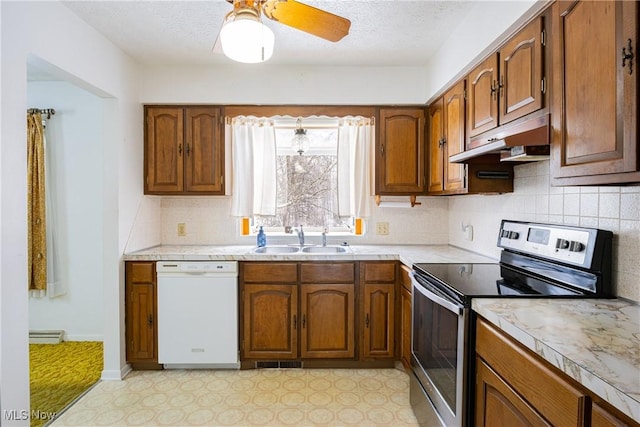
x,y
275,364
45,337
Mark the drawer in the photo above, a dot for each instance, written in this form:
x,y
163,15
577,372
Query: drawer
x,y
379,271
537,382
270,272
141,272
328,272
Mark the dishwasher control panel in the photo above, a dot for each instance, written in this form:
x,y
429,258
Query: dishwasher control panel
x,y
187,267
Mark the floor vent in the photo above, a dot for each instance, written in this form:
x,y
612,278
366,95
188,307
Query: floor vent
x,y
274,364
45,337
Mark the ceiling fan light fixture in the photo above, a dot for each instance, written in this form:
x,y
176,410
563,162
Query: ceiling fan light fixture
x,y
245,38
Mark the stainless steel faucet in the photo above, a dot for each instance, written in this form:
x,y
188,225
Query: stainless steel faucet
x,y
324,237
300,235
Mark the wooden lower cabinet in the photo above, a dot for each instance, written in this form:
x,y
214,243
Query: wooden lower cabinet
x,y
328,321
405,317
140,315
270,321
333,312
516,387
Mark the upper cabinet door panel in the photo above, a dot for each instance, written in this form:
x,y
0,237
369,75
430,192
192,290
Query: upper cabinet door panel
x,y
204,153
595,97
400,154
521,73
436,144
454,113
164,150
482,102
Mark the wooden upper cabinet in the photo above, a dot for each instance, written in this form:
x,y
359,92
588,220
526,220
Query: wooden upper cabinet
x,y
482,102
521,73
400,158
164,149
508,85
595,107
204,151
184,150
446,138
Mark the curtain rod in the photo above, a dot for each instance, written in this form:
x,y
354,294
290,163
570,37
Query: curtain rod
x,y
48,111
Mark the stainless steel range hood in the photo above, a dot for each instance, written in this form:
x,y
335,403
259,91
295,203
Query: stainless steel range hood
x,y
526,140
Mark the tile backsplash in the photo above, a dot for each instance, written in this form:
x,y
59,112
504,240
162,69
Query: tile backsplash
x,y
614,208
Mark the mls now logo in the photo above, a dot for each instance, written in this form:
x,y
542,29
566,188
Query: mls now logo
x,y
15,414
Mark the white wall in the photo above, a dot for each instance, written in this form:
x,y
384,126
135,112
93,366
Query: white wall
x,y
610,208
75,140
48,33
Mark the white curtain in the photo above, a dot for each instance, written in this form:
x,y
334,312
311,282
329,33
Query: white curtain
x,y
355,150
253,148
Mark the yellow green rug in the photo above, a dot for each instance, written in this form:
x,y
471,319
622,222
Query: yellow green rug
x,y
59,373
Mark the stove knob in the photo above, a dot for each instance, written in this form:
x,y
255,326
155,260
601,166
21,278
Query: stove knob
x,y
504,233
576,247
514,234
562,244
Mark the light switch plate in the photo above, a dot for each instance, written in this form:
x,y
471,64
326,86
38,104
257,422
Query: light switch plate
x,y
182,229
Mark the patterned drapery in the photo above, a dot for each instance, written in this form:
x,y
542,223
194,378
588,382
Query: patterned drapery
x,y
36,212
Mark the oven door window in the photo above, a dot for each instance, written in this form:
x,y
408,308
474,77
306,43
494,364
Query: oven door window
x,y
435,346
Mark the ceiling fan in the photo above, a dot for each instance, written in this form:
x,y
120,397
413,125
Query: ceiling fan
x,y
244,38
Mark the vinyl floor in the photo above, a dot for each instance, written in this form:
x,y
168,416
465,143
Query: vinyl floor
x,y
264,397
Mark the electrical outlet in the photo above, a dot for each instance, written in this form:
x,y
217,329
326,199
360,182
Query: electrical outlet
x,y
382,228
182,229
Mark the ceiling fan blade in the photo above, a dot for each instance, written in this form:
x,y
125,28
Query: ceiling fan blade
x,y
307,18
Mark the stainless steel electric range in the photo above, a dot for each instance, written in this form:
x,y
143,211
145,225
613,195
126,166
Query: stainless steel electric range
x,y
537,260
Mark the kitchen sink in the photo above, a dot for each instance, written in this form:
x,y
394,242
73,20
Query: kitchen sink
x,y
275,250
324,249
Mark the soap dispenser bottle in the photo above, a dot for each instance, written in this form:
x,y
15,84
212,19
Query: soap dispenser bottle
x,y
262,238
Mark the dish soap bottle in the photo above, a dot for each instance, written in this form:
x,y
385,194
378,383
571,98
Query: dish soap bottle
x,y
262,238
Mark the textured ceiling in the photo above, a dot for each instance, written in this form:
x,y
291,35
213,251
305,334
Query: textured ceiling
x,y
383,32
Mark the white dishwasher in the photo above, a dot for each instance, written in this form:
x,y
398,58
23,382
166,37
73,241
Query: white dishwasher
x,y
198,314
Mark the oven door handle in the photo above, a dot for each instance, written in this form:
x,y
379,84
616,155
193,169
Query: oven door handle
x,y
452,307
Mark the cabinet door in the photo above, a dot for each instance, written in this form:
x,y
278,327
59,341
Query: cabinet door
x,y
454,119
204,151
327,321
405,328
482,99
436,146
379,313
521,73
497,404
270,322
140,302
164,148
594,96
400,152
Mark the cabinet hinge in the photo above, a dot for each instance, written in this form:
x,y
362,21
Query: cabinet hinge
x,y
543,85
543,38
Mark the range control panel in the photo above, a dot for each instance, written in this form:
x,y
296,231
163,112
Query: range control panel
x,y
559,243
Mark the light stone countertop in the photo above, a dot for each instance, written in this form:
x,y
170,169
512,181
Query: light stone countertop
x,y
407,254
594,341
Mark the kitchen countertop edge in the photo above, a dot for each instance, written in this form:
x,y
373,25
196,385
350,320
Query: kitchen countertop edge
x,y
577,348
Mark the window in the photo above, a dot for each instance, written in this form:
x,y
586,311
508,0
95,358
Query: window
x,y
307,183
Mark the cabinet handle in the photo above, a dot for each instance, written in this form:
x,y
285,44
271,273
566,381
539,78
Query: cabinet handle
x,y
442,142
494,89
501,86
295,322
187,149
150,321
382,149
180,149
628,56
304,321
366,321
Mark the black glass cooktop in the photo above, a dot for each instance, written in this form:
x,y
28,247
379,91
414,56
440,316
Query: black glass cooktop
x,y
465,281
